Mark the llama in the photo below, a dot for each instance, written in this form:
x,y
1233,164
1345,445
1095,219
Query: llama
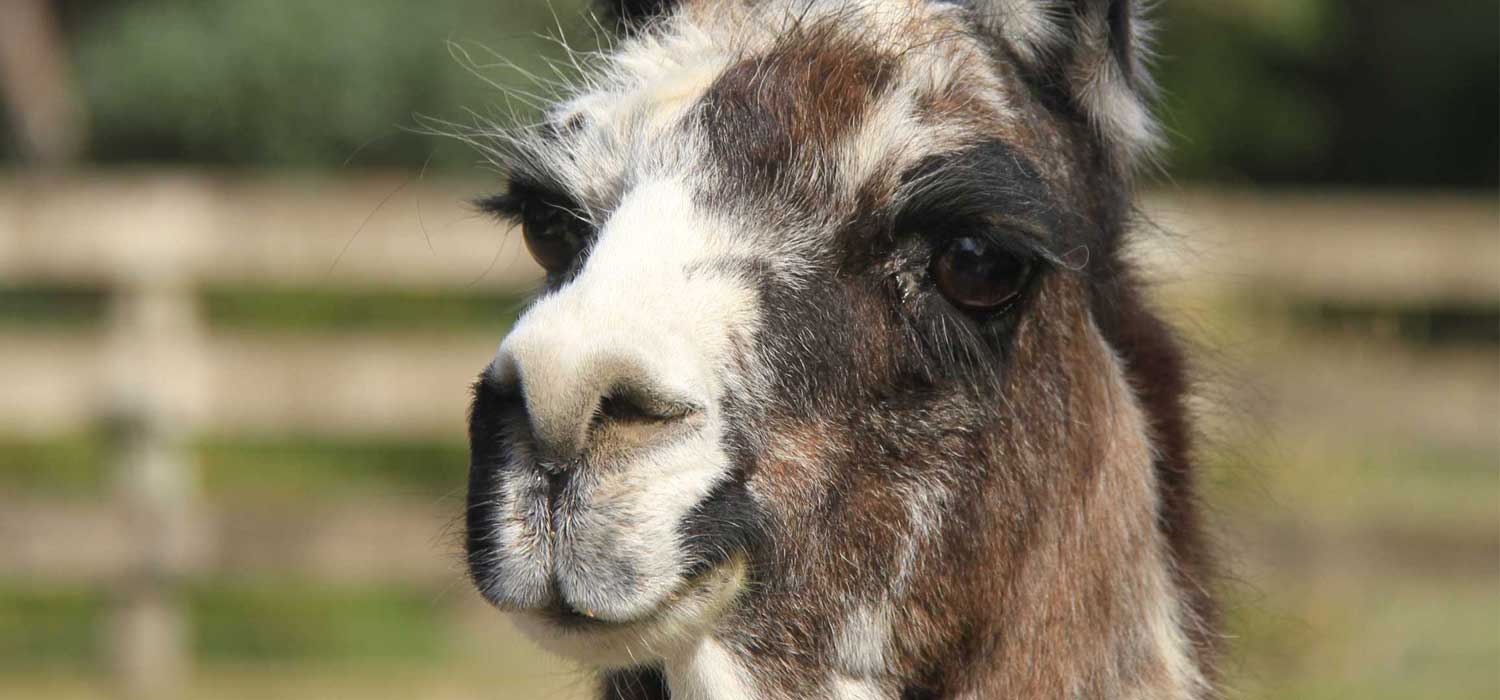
x,y
840,383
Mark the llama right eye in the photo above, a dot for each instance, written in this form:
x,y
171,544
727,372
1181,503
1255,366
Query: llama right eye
x,y
978,276
554,235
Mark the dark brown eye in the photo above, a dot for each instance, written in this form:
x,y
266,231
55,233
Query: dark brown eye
x,y
978,276
554,234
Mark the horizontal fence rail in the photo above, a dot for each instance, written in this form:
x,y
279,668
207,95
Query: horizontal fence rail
x,y
397,231
383,231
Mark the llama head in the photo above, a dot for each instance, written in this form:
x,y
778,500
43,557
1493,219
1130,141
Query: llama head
x,y
828,349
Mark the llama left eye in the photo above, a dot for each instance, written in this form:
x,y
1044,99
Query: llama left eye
x,y
978,276
554,235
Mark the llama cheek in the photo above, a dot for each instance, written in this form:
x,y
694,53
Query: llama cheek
x,y
794,474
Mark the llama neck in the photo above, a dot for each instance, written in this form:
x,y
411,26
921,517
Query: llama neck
x,y
707,670
1091,608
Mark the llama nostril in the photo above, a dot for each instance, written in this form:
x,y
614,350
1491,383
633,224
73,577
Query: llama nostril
x,y
628,405
557,478
590,398
629,416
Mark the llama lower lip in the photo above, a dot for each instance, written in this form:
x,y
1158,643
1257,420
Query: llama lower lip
x,y
565,615
568,617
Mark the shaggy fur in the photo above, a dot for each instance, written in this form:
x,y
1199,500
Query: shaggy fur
x,y
743,447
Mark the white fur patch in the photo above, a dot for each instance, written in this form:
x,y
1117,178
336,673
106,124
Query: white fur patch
x,y
1033,27
1039,32
708,671
856,689
1118,109
640,313
862,643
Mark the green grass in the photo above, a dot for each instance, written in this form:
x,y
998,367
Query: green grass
x,y
72,465
52,626
1394,485
1450,323
51,306
281,309
331,468
77,466
1328,635
276,620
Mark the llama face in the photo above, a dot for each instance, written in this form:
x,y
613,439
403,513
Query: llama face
x,y
805,262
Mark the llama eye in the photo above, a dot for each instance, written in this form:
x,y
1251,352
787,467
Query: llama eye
x,y
978,276
554,235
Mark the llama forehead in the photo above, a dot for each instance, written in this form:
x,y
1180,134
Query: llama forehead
x,y
814,103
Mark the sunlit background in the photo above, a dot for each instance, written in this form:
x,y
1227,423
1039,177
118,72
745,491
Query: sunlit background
x,y
241,301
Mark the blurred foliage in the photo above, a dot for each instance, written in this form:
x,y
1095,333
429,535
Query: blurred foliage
x,y
55,625
288,82
1450,323
279,309
275,620
237,467
1372,635
323,467
1370,92
51,305
66,465
232,620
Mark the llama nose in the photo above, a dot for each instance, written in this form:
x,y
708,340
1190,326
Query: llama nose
x,y
574,397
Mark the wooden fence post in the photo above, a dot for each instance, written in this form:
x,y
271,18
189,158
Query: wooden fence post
x,y
155,372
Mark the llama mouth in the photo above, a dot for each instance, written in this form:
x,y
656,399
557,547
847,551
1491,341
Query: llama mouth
x,y
697,591
568,617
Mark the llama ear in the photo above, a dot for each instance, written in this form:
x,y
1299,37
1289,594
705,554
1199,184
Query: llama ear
x,y
1096,50
633,14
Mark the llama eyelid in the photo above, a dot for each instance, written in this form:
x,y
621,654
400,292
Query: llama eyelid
x,y
504,205
991,186
513,204
1021,239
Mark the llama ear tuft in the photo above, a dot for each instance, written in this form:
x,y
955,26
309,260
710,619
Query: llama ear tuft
x,y
1097,50
634,14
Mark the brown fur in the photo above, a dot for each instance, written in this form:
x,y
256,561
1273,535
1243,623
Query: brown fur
x,y
774,112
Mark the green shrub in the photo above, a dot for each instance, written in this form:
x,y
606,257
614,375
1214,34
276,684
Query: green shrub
x,y
1331,91
290,82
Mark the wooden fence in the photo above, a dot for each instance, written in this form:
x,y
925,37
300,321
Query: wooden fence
x,y
157,374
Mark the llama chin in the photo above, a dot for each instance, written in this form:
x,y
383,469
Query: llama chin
x,y
685,618
841,383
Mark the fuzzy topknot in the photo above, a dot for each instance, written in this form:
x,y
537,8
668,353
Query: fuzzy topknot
x,y
1098,50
